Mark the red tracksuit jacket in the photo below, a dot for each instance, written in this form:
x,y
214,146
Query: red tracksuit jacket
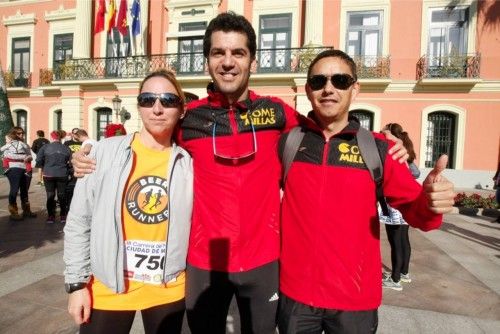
x,y
330,256
236,210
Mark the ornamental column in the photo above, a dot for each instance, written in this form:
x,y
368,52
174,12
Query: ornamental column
x,y
83,32
313,33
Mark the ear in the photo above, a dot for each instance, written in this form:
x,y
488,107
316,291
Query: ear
x,y
253,66
308,92
183,112
355,90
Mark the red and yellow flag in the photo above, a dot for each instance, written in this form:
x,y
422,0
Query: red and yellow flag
x,y
110,16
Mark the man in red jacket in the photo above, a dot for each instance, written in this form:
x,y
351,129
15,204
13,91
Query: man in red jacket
x,y
330,273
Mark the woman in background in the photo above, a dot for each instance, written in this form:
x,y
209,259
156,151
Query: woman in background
x,y
17,164
54,158
395,226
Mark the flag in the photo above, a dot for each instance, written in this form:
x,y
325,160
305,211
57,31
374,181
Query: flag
x,y
99,16
121,21
110,16
136,18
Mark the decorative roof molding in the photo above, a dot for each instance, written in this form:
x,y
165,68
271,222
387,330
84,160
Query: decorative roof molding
x,y
19,18
60,14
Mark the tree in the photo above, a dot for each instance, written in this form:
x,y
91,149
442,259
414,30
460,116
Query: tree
x,y
6,122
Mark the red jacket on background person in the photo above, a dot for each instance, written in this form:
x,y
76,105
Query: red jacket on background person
x,y
330,256
236,212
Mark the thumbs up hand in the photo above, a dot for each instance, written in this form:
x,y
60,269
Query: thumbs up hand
x,y
438,189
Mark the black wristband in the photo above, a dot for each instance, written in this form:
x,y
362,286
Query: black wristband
x,y
72,287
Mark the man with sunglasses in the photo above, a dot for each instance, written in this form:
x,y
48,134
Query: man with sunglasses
x,y
330,265
232,136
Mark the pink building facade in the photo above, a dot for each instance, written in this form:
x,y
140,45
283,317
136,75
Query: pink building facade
x,y
430,65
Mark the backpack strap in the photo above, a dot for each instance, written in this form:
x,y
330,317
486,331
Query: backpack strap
x,y
292,144
371,157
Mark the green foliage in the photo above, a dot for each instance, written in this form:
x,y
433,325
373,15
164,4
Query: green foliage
x,y
6,122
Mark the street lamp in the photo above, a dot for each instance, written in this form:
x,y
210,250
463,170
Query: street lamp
x,y
117,104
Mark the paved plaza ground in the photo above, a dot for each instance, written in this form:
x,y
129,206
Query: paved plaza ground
x,y
455,272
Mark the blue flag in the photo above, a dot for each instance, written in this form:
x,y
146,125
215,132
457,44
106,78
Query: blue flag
x,y
136,18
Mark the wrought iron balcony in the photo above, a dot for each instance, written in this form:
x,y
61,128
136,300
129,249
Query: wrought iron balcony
x,y
373,67
17,79
465,66
290,60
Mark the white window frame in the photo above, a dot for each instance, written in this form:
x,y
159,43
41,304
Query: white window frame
x,y
461,117
383,6
429,5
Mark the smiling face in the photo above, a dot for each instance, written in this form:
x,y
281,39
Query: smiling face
x,y
331,105
229,63
159,121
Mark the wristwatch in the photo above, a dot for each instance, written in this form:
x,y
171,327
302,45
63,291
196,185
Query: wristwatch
x,y
72,287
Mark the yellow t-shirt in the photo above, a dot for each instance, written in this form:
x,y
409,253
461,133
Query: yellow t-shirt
x,y
145,215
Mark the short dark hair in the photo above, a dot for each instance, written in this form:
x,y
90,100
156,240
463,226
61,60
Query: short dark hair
x,y
334,54
40,133
228,22
81,132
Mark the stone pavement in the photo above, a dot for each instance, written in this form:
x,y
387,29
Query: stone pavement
x,y
455,272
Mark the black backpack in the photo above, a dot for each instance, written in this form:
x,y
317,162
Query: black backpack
x,y
367,148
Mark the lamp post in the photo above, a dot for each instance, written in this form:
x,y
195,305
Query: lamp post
x,y
117,104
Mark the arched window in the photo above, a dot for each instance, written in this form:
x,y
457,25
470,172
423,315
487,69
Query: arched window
x,y
58,119
22,119
365,118
104,117
441,137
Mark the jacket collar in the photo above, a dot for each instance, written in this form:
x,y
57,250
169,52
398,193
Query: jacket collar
x,y
312,123
217,99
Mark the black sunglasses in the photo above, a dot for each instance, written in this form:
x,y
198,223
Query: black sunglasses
x,y
167,100
339,81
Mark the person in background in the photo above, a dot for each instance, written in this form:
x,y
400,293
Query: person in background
x,y
54,159
330,242
127,234
72,142
35,147
395,225
84,139
17,164
74,145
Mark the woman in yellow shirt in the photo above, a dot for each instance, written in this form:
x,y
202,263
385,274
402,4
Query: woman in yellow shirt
x,y
128,227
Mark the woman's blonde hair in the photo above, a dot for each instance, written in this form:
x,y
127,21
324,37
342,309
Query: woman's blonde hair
x,y
170,76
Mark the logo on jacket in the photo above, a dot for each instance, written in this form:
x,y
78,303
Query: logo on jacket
x,y
350,153
147,200
263,116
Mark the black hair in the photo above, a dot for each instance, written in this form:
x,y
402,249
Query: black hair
x,y
40,133
228,22
334,54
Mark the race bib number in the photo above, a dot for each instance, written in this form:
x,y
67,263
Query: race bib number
x,y
145,260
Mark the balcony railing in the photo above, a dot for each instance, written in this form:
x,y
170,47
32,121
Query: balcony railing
x,y
465,66
291,60
17,79
373,67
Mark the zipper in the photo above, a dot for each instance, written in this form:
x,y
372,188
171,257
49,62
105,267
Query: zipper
x,y
120,225
232,120
177,157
